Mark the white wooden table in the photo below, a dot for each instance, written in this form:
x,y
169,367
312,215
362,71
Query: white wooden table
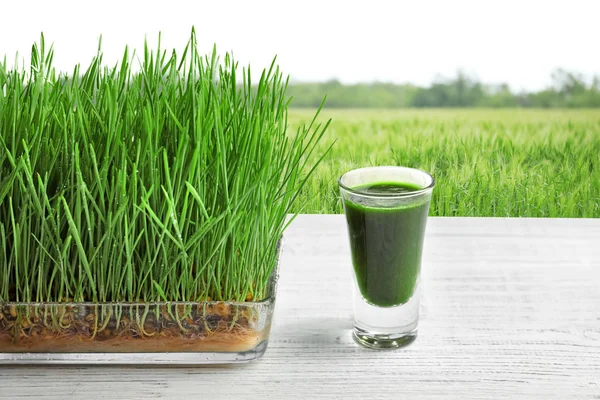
x,y
510,308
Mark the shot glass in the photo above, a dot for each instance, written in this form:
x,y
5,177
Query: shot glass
x,y
386,210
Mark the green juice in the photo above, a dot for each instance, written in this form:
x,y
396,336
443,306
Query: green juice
x,y
386,244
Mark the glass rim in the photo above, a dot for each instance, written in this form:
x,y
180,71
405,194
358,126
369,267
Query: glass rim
x,y
359,192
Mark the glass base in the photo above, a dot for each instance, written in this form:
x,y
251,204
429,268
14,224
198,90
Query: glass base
x,y
166,358
382,342
385,327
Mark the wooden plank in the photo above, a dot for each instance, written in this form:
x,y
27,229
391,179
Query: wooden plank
x,y
510,308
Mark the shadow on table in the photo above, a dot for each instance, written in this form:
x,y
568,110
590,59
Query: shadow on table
x,y
312,332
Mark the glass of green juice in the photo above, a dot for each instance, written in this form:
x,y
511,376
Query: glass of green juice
x,y
386,210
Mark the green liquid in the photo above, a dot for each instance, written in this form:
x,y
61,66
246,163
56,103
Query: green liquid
x,y
386,245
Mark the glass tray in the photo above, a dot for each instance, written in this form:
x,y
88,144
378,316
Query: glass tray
x,y
208,332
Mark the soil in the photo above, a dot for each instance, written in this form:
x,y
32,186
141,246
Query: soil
x,y
75,329
218,342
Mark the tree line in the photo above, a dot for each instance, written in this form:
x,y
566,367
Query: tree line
x,y
568,90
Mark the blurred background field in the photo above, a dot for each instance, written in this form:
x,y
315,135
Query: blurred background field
x,y
502,163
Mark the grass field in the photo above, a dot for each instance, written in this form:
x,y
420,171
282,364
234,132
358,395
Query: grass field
x,y
504,163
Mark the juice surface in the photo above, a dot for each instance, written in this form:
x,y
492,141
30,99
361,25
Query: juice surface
x,y
386,245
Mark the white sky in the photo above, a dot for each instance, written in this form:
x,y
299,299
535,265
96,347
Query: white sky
x,y
518,42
